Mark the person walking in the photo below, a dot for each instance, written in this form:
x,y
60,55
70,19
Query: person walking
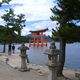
x,y
13,48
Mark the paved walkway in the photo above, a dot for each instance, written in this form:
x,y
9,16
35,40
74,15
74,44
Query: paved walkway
x,y
8,73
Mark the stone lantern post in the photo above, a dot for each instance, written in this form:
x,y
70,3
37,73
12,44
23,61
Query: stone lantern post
x,y
53,61
23,56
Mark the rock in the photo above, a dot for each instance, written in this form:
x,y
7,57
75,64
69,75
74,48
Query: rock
x,y
0,54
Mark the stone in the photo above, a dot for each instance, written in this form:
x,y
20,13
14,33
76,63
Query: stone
x,y
77,75
52,53
23,56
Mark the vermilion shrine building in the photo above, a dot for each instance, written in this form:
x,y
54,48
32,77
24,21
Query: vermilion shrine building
x,y
37,38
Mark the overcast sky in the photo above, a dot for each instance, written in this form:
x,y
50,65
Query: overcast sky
x,y
37,14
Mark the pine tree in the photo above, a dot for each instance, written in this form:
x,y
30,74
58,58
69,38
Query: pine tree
x,y
66,12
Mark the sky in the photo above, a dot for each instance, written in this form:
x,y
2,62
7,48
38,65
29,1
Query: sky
x,y
37,14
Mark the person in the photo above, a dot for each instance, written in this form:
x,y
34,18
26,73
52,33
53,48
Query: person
x,y
13,48
9,49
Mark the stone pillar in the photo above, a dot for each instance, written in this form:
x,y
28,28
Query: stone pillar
x,y
53,61
23,56
52,72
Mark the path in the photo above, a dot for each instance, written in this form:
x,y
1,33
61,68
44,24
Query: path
x,y
8,73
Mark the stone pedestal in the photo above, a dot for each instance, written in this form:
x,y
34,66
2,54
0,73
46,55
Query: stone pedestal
x,y
23,64
53,61
52,72
23,56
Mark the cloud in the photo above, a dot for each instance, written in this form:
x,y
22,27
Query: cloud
x,y
44,24
38,25
34,9
25,31
37,13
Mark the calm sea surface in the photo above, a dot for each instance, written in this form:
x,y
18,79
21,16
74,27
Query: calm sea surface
x,y
36,55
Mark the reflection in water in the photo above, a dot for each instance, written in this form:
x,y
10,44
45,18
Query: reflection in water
x,y
37,56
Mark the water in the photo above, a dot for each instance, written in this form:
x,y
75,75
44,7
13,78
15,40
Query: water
x,y
73,56
36,55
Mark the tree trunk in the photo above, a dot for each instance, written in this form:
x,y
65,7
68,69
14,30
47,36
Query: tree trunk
x,y
4,47
19,32
61,58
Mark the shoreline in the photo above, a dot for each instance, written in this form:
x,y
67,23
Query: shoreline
x,y
5,55
14,62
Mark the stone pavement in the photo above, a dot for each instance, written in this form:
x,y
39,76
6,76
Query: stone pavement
x,y
10,70
8,73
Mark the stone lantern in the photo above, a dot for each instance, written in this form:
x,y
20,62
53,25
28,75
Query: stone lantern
x,y
53,56
23,56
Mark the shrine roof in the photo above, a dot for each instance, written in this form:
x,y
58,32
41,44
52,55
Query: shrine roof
x,y
43,30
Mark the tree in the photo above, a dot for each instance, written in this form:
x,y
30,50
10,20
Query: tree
x,y
13,24
20,22
64,15
17,21
4,1
6,36
9,17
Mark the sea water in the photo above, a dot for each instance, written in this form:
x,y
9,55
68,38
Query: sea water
x,y
36,54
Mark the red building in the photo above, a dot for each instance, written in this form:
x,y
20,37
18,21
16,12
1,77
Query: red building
x,y
37,38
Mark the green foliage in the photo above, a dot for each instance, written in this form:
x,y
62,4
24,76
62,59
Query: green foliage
x,y
9,17
4,1
17,23
7,35
68,33
20,22
64,13
21,39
